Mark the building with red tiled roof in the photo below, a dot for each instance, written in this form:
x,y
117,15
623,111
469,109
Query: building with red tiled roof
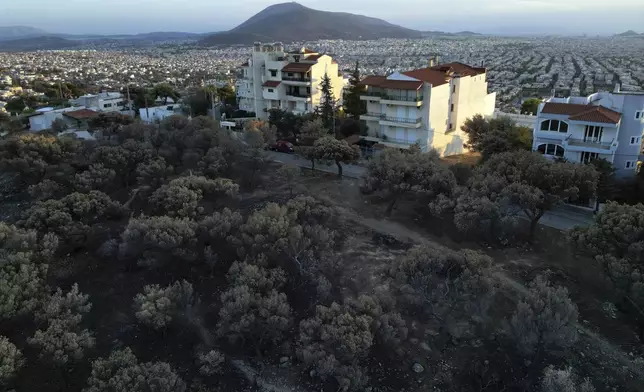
x,y
426,106
275,79
601,126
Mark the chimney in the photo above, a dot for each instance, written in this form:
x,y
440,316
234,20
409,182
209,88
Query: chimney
x,y
432,61
618,88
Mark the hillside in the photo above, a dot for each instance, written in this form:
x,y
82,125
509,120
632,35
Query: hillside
x,y
16,32
37,43
287,22
629,33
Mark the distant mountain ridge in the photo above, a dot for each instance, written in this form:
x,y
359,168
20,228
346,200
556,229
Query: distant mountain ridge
x,y
37,43
629,33
16,32
288,22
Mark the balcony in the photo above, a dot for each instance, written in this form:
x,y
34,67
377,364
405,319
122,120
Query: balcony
x,y
401,122
294,96
402,100
372,116
590,145
296,79
372,95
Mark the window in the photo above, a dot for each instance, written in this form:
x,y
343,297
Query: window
x,y
551,149
270,90
635,140
107,105
290,74
586,156
639,114
449,127
453,88
630,165
308,90
554,125
451,108
273,73
593,133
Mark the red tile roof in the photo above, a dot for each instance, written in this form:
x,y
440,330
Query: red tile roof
x,y
296,67
373,80
313,57
271,83
429,75
402,84
578,112
82,114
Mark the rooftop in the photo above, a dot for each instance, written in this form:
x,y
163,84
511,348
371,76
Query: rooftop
x,y
296,67
271,83
82,114
587,113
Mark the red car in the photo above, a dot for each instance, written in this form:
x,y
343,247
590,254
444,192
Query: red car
x,y
283,146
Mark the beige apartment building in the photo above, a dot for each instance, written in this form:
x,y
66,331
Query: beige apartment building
x,y
427,105
275,79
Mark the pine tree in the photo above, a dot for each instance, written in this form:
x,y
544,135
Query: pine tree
x,y
327,103
353,106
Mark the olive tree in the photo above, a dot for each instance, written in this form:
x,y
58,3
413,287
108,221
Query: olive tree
x,y
253,309
153,172
23,268
535,184
338,338
616,240
545,320
397,174
564,380
496,135
64,340
210,363
297,230
121,371
331,149
11,360
452,290
155,240
96,177
72,216
157,306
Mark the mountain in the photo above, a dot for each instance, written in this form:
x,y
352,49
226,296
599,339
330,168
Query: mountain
x,y
15,32
629,33
427,34
289,22
38,43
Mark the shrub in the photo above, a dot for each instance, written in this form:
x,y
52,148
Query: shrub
x,y
545,320
11,360
157,307
210,363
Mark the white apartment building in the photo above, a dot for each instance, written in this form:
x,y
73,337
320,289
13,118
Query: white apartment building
x,y
104,102
427,105
602,125
275,79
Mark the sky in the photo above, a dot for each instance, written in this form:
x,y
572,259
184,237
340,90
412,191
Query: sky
x,y
592,17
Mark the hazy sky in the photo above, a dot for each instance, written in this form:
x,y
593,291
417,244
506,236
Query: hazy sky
x,y
486,16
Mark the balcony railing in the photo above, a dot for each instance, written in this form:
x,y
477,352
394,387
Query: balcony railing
x,y
403,98
297,95
374,94
296,79
589,142
403,120
370,114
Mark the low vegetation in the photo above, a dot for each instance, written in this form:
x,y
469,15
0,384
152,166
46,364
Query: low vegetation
x,y
178,257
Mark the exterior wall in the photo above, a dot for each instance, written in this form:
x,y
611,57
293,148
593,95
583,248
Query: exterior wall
x,y
158,113
523,120
325,65
471,97
629,127
443,140
44,120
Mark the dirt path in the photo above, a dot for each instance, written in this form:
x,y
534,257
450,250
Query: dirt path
x,y
590,344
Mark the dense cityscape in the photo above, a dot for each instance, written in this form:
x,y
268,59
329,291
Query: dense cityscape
x,y
350,205
517,67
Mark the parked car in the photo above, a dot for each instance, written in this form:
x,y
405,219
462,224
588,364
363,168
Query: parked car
x,y
283,146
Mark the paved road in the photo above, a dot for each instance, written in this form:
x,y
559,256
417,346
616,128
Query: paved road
x,y
561,218
351,171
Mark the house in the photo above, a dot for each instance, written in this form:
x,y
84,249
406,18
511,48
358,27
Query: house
x,y
44,117
603,125
426,106
104,102
290,81
158,113
79,119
